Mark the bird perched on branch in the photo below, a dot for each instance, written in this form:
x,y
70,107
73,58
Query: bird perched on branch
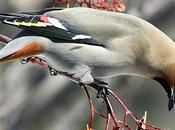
x,y
93,44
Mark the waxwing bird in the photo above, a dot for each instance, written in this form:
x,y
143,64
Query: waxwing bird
x,y
93,44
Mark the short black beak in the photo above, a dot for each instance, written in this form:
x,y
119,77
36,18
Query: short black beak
x,y
171,100
170,91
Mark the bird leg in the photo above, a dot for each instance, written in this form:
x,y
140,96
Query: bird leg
x,y
101,86
35,60
92,109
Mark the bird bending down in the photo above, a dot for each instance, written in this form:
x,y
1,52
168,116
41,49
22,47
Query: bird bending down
x,y
92,44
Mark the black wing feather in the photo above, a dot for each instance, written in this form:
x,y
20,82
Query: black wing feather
x,y
48,31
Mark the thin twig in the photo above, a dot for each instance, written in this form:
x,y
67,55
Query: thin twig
x,y
108,120
111,111
129,113
124,121
91,107
125,125
124,107
98,113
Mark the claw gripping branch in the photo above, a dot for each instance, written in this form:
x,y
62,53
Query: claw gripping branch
x,y
110,5
111,116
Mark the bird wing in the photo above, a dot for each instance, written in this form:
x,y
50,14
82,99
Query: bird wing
x,y
48,26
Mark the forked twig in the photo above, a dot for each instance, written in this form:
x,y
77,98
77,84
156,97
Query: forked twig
x,y
108,121
128,112
91,107
110,112
143,120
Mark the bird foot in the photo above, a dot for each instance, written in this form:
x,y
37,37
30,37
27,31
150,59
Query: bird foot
x,y
102,92
43,63
35,60
101,87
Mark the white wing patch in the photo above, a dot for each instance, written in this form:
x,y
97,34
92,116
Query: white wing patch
x,y
56,23
81,37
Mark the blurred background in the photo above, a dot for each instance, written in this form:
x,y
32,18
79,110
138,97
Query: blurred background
x,y
31,99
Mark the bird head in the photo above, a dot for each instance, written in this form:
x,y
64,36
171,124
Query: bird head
x,y
170,91
162,60
166,78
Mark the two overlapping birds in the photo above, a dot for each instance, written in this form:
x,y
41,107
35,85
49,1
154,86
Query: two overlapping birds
x,y
93,44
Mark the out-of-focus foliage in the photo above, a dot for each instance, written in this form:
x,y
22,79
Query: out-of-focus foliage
x,y
31,99
110,5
